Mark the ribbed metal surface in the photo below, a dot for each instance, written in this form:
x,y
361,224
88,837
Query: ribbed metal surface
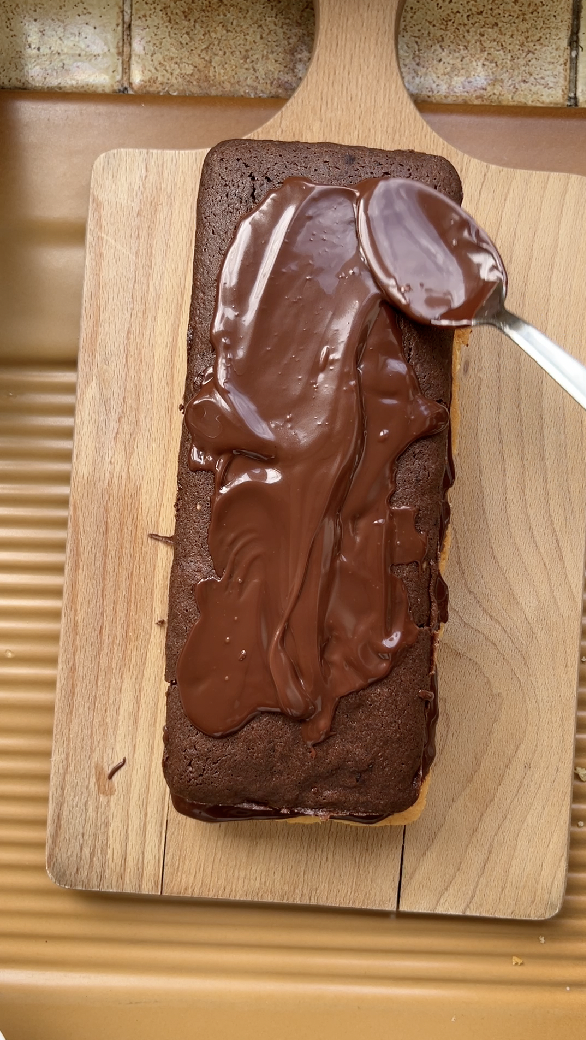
x,y
45,929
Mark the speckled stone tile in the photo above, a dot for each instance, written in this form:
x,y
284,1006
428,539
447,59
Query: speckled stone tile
x,y
61,44
507,52
246,48
581,70
468,51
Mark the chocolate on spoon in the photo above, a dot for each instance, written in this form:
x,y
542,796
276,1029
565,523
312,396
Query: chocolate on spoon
x,y
437,265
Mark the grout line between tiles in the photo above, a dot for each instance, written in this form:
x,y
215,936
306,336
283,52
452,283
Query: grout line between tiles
x,y
126,45
574,45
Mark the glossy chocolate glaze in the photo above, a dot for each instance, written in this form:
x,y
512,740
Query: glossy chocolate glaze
x,y
309,404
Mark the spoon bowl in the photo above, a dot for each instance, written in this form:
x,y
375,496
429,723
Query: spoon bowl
x,y
434,262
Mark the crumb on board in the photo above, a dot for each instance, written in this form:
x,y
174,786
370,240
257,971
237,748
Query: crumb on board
x,y
580,823
115,768
198,507
160,622
581,773
542,938
517,961
167,539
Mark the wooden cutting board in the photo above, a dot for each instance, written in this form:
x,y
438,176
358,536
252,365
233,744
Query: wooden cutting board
x,y
493,838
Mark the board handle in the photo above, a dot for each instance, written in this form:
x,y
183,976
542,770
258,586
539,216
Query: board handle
x,y
354,76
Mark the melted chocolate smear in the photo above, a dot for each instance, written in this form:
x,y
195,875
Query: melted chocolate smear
x,y
308,406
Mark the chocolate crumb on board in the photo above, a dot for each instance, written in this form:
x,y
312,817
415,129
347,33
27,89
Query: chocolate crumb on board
x,y
168,539
117,767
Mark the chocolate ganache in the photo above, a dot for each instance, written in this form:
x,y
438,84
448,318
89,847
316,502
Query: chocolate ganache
x,y
302,418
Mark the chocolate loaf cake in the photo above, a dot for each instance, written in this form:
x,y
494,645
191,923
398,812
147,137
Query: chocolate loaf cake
x,y
266,744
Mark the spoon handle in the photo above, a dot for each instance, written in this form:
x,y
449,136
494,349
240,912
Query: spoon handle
x,y
564,368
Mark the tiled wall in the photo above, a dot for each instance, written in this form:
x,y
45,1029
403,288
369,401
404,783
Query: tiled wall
x,y
487,51
463,51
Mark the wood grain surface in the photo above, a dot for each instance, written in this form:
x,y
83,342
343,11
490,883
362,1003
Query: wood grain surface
x,y
493,837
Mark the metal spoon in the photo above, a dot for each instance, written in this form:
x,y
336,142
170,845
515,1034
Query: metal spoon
x,y
564,368
434,262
